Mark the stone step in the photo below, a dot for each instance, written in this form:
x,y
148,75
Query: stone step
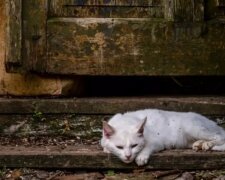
x,y
205,105
23,121
82,117
91,157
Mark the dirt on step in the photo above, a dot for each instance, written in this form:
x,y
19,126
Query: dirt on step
x,y
46,141
62,174
37,174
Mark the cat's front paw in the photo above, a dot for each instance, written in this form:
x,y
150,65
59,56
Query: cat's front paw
x,y
197,145
141,160
202,145
206,146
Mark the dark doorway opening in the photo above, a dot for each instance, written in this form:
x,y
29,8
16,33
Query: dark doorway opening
x,y
105,86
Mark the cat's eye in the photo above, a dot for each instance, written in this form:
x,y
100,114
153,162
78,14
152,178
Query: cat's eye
x,y
119,147
133,145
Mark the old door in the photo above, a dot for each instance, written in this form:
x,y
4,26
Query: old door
x,y
117,37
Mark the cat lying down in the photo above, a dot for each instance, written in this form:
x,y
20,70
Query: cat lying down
x,y
136,135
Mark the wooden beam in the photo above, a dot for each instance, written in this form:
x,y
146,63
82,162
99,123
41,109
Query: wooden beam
x,y
205,105
92,157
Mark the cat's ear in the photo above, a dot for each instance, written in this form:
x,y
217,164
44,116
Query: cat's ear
x,y
142,126
108,130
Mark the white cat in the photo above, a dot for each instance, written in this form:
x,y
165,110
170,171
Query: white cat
x,y
136,135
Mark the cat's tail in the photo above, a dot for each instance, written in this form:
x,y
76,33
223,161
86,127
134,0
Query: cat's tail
x,y
219,147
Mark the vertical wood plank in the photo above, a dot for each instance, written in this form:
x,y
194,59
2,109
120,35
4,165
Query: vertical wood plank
x,y
199,11
184,10
34,34
169,10
13,35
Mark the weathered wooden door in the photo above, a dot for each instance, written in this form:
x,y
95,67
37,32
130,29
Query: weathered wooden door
x,y
117,37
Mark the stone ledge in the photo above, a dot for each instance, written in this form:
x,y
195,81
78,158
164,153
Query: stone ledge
x,y
92,157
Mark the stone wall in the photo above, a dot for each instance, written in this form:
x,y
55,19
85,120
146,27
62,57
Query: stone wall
x,y
30,85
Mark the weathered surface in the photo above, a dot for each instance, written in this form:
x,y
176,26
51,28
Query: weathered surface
x,y
13,34
34,34
2,40
34,85
107,9
173,10
26,53
137,37
96,46
184,10
204,105
139,46
82,117
87,127
26,84
84,127
92,157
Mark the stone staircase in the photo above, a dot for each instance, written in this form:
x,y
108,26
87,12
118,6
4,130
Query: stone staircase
x,y
64,133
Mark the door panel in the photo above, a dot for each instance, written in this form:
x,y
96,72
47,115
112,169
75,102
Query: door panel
x,y
123,37
132,46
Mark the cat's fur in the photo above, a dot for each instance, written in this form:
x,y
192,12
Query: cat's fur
x,y
136,135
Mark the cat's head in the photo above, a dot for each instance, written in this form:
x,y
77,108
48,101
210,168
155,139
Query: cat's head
x,y
124,142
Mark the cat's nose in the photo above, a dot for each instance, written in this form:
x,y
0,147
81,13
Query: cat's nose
x,y
128,157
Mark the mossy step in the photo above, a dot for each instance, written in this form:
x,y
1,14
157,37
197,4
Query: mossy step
x,y
82,117
92,157
61,125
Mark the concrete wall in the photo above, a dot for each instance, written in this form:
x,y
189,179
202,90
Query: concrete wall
x,y
29,85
